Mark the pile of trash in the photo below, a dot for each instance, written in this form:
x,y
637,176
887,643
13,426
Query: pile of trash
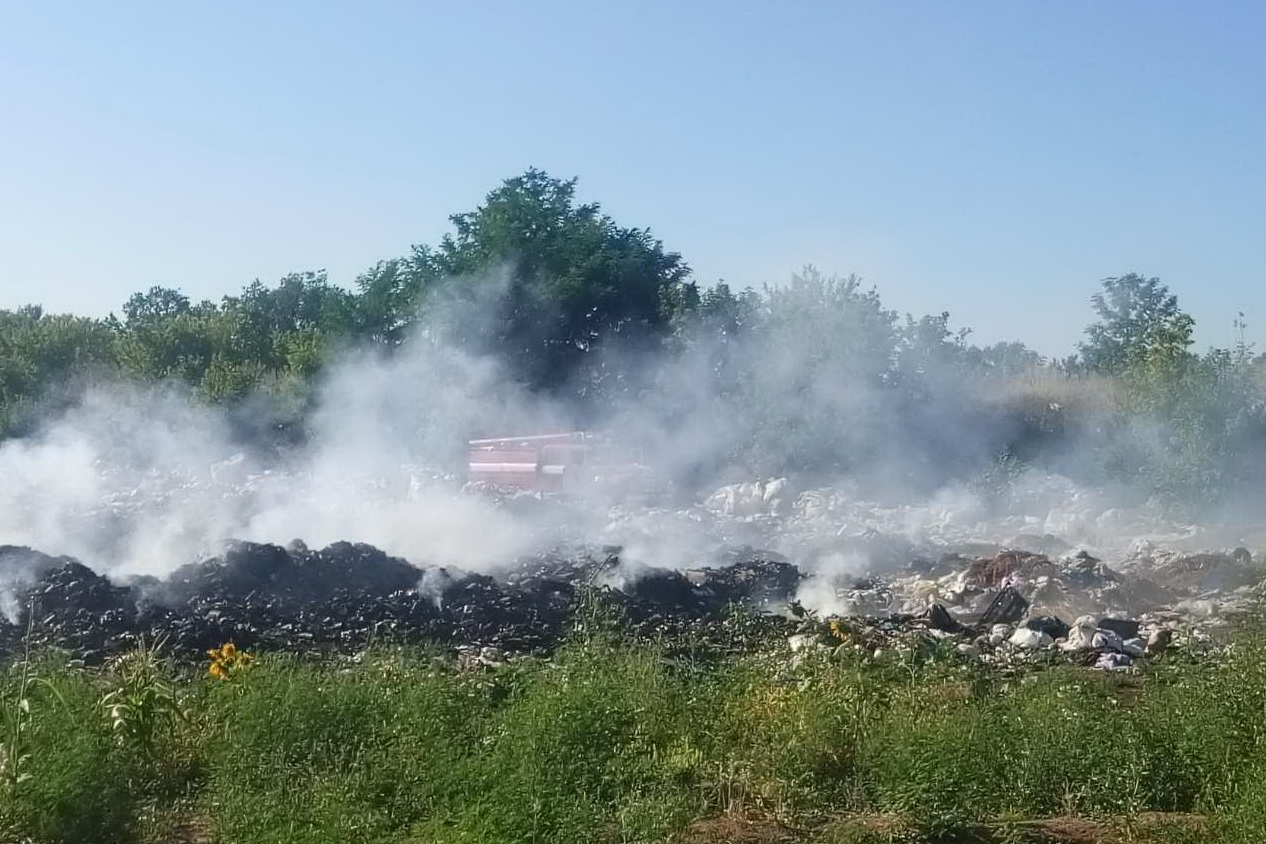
x,y
1058,571
346,596
1019,606
1001,609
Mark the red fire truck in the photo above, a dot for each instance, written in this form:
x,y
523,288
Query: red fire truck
x,y
574,463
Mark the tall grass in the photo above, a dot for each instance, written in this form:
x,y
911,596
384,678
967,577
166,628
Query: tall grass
x,y
615,741
74,782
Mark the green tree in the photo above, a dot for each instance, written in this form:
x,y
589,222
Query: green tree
x,y
1005,359
1189,423
721,311
303,312
300,302
711,326
157,304
389,297
174,343
928,347
43,357
540,280
275,337
823,351
1139,326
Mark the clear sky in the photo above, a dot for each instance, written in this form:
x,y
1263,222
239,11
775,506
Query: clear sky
x,y
992,159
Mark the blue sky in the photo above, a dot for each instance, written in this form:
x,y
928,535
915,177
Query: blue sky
x,y
992,159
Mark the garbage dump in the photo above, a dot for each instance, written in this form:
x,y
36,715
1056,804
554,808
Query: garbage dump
x,y
1060,575
346,596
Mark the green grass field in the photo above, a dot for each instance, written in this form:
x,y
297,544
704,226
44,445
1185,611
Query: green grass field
x,y
617,741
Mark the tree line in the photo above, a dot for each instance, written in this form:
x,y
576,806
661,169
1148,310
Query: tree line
x,y
573,305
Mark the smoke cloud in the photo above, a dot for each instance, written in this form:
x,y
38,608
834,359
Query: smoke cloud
x,y
140,480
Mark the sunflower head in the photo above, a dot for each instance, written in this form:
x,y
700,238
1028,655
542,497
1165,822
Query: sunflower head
x,y
227,659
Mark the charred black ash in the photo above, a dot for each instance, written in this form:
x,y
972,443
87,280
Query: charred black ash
x,y
346,596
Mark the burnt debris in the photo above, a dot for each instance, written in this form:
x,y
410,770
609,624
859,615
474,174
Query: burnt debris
x,y
346,596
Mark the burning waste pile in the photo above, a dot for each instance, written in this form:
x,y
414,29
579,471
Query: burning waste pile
x,y
885,576
108,536
346,596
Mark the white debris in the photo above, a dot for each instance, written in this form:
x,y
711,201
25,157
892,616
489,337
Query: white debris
x,y
1028,639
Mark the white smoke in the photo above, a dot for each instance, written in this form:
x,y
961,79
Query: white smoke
x,y
142,479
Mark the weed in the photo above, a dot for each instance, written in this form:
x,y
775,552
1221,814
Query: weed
x,y
142,701
16,715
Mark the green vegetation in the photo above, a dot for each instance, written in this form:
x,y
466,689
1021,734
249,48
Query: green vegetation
x,y
576,308
618,741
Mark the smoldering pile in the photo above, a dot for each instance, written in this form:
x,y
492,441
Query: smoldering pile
x,y
346,596
1006,608
1070,578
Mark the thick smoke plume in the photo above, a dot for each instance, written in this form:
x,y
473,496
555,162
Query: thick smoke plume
x,y
142,479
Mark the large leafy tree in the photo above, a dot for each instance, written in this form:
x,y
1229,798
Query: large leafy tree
x,y
547,281
299,302
1201,416
1140,326
155,305
389,297
1006,359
